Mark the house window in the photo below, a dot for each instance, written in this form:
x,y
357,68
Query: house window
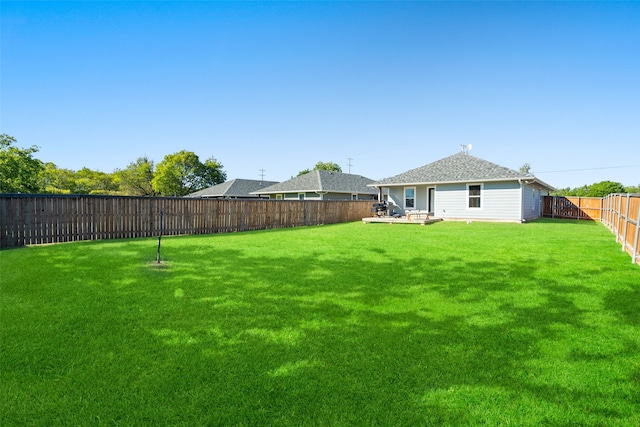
x,y
475,196
354,197
300,196
410,198
278,196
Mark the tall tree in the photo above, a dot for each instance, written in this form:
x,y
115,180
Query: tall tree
x,y
182,173
136,178
325,166
20,172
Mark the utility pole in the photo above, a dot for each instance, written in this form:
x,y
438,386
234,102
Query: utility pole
x,y
349,163
261,174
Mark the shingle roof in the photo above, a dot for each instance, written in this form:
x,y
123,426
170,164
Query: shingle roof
x,y
233,188
322,181
460,167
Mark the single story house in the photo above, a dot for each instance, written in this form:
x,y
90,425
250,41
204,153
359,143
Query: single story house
x,y
464,187
321,185
234,189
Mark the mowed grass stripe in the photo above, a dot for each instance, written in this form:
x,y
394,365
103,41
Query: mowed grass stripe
x,y
349,324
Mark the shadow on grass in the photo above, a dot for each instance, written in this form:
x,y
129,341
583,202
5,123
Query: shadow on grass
x,y
317,338
302,338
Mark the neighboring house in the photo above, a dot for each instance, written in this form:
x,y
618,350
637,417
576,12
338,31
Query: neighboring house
x,y
234,189
464,187
322,185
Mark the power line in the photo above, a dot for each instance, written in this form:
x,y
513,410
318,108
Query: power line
x,y
591,169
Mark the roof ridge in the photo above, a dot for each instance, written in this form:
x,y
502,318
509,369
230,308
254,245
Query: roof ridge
x,y
319,174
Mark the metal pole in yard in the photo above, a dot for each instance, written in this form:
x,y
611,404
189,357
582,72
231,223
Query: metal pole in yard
x,y
159,236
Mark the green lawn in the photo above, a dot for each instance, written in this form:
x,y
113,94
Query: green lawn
x,y
349,324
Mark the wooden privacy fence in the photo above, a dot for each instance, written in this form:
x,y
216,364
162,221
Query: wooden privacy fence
x,y
589,208
621,214
39,219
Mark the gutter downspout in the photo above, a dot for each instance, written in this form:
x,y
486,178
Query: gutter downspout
x,y
521,200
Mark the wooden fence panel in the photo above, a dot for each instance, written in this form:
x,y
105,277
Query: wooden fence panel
x,y
583,208
621,214
38,219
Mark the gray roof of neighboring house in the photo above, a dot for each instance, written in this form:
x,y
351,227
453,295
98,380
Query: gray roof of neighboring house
x,y
460,167
322,181
233,188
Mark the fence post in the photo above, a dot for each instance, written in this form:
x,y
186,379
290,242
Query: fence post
x,y
626,223
619,214
634,255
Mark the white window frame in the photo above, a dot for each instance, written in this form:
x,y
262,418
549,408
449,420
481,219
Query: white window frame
x,y
278,196
479,197
406,198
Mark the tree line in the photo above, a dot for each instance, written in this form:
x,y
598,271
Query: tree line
x,y
178,174
598,189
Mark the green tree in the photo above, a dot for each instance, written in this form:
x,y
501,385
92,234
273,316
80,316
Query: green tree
x,y
20,172
182,173
84,181
59,181
95,182
328,166
601,189
632,189
136,178
598,189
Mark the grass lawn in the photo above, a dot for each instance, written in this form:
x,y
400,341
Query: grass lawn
x,y
349,324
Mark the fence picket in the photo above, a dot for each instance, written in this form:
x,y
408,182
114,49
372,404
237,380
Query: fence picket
x,y
37,219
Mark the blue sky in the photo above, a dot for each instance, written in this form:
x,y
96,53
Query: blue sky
x,y
280,86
